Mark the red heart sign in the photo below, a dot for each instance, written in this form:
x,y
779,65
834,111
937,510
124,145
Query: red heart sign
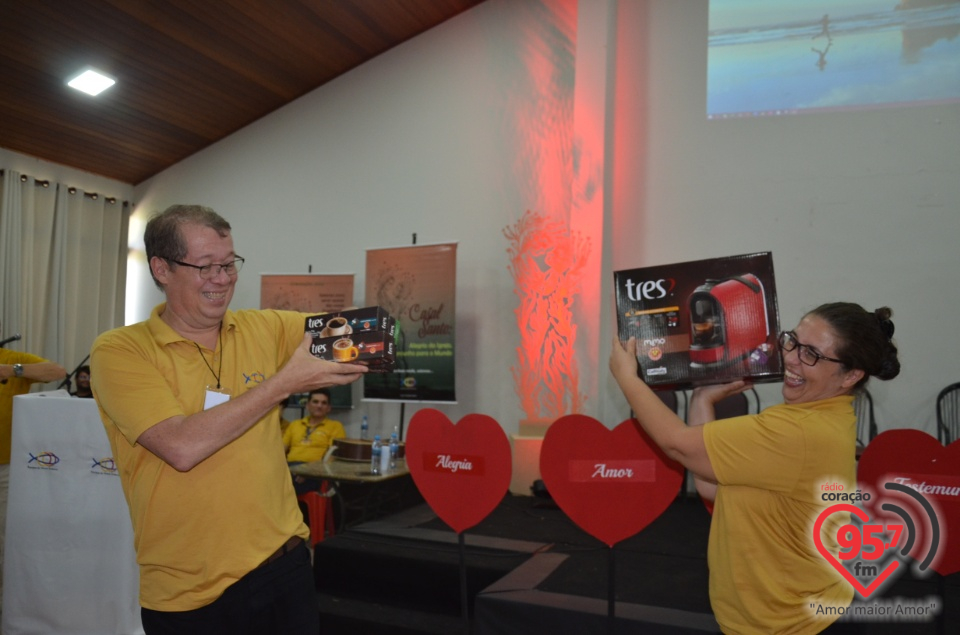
x,y
919,461
611,483
462,471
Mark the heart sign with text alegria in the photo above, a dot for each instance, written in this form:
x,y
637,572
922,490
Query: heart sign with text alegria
x,y
463,471
611,483
915,460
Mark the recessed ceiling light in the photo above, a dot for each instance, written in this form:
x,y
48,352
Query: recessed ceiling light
x,y
91,82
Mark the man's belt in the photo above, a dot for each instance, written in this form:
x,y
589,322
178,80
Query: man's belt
x,y
284,549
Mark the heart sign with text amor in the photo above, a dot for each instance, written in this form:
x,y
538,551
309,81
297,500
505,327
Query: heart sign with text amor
x,y
463,471
611,483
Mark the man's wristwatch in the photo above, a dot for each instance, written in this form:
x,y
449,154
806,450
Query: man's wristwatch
x,y
18,370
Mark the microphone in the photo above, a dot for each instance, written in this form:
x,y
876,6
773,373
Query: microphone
x,y
12,338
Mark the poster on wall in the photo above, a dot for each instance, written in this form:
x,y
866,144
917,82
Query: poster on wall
x,y
417,286
307,293
310,293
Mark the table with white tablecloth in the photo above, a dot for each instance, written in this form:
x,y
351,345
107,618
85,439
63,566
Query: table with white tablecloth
x,y
69,566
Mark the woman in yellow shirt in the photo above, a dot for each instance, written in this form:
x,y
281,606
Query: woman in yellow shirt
x,y
764,471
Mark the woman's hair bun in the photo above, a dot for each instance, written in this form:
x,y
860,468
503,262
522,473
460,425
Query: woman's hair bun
x,y
890,367
886,324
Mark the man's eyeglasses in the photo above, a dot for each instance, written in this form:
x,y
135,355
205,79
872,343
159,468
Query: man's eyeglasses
x,y
212,271
807,354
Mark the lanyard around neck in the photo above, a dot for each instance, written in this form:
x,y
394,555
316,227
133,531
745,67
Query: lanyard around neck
x,y
204,357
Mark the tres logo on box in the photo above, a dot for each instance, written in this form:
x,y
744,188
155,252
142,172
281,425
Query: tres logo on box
x,y
318,349
649,290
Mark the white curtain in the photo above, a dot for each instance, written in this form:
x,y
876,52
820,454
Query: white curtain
x,y
62,266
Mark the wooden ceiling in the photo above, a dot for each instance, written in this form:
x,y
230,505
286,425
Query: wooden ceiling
x,y
189,72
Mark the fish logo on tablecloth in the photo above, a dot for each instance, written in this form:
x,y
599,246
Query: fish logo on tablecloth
x,y
43,461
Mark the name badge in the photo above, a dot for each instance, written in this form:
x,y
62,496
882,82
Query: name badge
x,y
215,397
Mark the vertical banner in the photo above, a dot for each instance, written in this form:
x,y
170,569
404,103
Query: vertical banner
x,y
417,286
310,293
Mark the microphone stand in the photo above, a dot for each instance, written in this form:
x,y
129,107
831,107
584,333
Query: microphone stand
x,y
66,380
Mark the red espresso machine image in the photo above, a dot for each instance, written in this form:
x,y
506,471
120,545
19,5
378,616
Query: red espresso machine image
x,y
702,322
728,320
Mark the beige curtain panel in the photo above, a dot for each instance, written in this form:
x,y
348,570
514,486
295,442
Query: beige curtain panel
x,y
63,258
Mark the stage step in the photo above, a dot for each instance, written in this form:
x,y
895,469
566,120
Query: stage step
x,y
408,573
394,576
348,616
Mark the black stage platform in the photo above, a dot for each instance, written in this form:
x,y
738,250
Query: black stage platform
x,y
529,569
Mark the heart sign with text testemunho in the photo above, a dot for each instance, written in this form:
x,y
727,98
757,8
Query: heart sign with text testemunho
x,y
463,471
611,483
914,460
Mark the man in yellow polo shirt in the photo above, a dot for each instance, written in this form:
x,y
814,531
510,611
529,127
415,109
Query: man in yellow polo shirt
x,y
308,439
189,402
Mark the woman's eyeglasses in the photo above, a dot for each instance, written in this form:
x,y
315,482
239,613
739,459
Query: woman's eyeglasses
x,y
807,354
212,271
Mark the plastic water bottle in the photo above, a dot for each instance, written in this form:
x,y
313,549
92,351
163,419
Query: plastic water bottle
x,y
364,428
375,451
384,459
394,448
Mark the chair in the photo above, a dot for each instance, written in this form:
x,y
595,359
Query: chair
x,y
319,513
756,400
738,405
948,414
866,423
669,398
732,406
672,399
316,514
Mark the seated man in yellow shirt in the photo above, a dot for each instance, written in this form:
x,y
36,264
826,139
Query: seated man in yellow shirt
x,y
309,438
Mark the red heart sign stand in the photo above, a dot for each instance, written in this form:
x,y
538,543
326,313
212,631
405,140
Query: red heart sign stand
x,y
611,483
463,470
919,461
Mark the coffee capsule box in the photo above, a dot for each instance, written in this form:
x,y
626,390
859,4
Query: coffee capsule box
x,y
702,322
372,318
375,349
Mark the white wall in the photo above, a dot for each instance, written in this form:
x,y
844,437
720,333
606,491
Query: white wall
x,y
854,206
861,207
415,141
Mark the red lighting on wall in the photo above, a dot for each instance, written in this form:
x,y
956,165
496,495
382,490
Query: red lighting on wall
x,y
555,117
547,262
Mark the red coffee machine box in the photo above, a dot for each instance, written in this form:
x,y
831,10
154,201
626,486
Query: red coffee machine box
x,y
702,322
